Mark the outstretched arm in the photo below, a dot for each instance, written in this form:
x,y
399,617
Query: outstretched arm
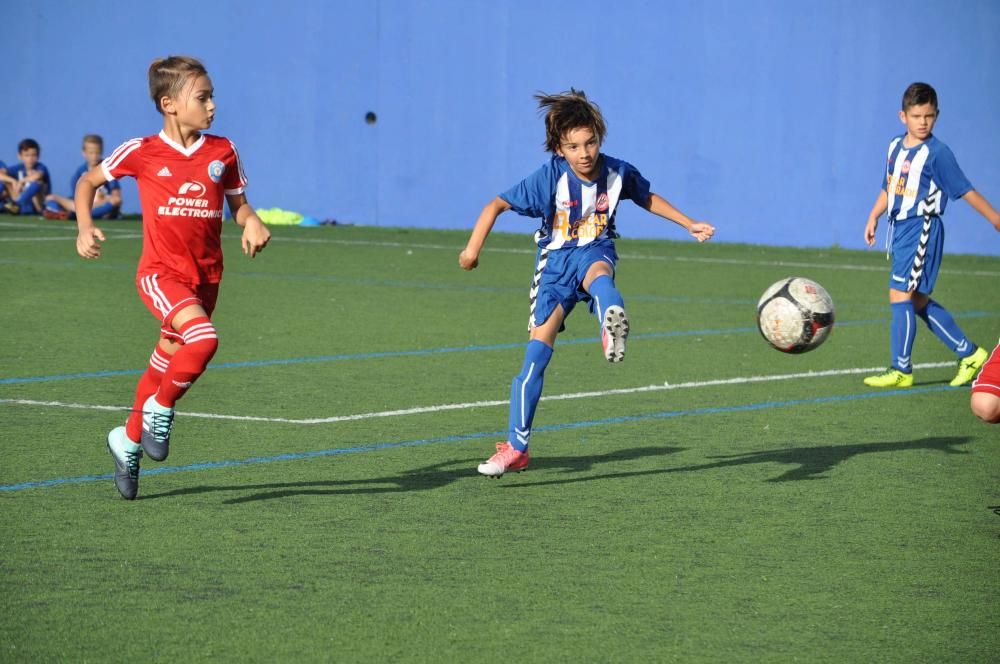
x,y
469,258
255,233
659,206
983,207
881,205
88,235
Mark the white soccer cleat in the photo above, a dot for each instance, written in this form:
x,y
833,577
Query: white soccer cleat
x,y
614,333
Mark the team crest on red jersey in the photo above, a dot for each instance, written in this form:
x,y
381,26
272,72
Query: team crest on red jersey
x,y
215,170
602,202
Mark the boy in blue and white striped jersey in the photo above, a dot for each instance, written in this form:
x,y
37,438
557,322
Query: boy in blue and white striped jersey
x,y
921,175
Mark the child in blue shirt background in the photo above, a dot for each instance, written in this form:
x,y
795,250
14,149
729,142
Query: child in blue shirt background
x,y
27,182
107,200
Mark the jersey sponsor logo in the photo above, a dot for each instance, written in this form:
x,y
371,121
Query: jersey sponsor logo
x,y
591,227
192,188
164,173
602,202
900,188
215,170
189,202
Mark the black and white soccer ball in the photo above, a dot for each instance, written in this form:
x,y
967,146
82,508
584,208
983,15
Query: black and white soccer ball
x,y
795,315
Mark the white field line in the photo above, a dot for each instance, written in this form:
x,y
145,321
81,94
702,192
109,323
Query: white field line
x,y
740,380
405,245
69,238
683,259
66,224
15,224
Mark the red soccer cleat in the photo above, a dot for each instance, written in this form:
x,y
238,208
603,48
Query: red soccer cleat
x,y
506,458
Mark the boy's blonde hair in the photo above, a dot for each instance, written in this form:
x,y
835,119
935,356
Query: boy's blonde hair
x,y
167,76
93,139
567,111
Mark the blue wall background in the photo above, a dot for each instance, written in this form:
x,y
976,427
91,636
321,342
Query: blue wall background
x,y
770,119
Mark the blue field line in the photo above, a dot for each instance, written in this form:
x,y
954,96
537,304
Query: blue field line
x,y
432,351
374,447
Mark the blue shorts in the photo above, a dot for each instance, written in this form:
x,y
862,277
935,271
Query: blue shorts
x,y
917,246
559,278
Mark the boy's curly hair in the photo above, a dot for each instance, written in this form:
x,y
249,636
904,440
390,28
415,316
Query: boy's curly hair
x,y
567,111
167,76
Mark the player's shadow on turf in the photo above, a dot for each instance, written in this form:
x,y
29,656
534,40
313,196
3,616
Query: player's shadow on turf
x,y
811,462
419,479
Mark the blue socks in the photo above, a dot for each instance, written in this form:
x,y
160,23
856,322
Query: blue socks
x,y
604,294
525,390
24,200
102,211
901,335
947,330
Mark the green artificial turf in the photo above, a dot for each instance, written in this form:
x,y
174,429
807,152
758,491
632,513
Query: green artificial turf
x,y
708,518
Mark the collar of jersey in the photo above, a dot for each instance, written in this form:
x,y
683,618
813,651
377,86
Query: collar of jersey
x,y
902,142
187,152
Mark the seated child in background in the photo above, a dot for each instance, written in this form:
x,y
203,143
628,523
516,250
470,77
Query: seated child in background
x,y
4,193
107,200
27,182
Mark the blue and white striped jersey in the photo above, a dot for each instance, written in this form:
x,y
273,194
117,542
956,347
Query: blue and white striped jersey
x,y
575,212
920,180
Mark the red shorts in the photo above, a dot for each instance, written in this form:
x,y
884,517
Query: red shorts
x,y
164,296
988,379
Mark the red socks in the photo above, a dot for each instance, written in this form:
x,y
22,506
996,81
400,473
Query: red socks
x,y
148,384
170,377
190,360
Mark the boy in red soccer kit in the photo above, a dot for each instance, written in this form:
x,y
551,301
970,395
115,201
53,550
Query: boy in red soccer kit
x,y
985,400
184,176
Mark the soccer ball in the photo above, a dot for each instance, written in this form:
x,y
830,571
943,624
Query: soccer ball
x,y
795,315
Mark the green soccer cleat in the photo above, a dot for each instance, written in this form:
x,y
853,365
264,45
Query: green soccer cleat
x,y
891,378
969,366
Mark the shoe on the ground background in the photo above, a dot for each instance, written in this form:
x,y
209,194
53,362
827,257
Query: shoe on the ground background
x,y
891,378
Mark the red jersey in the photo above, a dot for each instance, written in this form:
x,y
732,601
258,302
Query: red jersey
x,y
182,191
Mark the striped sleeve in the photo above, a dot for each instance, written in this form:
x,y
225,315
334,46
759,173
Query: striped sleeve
x,y
235,181
122,161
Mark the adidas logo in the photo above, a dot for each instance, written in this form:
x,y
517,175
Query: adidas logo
x,y
165,172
